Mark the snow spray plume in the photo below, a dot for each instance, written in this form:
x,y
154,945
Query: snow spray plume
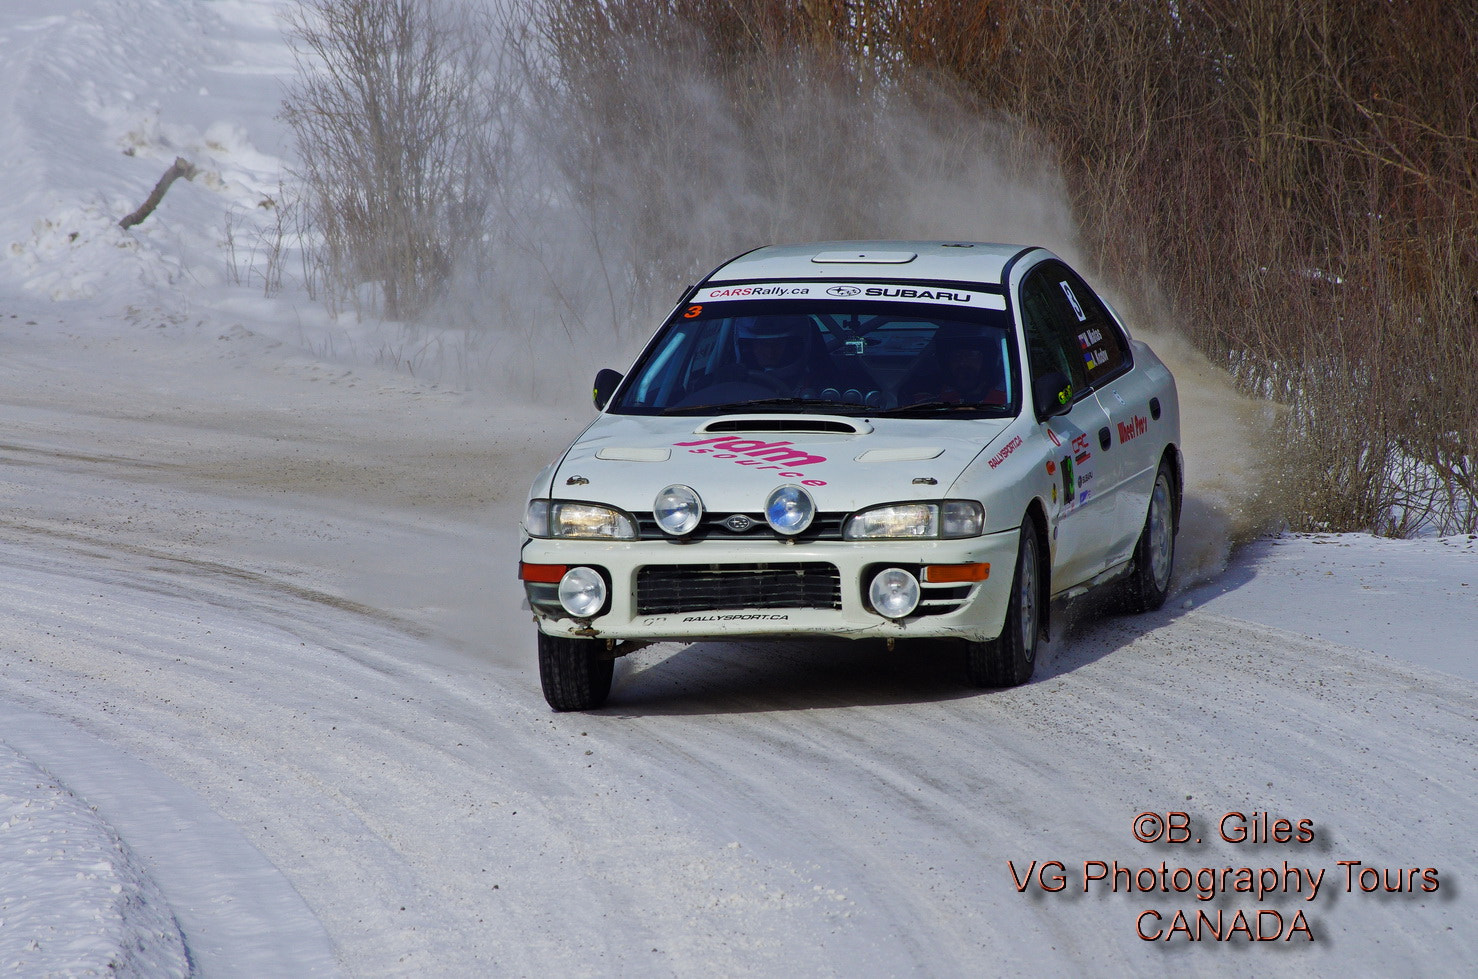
x,y
640,164
643,159
1227,445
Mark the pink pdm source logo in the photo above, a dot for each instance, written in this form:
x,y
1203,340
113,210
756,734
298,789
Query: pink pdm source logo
x,y
782,457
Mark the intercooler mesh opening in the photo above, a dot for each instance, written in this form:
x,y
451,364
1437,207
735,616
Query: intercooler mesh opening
x,y
666,588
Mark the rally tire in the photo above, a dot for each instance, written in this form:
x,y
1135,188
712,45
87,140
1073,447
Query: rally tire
x,y
574,673
1010,658
1148,584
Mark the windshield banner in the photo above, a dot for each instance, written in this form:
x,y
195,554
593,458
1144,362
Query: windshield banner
x,y
859,291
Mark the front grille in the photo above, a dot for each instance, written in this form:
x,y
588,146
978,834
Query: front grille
x,y
824,526
668,588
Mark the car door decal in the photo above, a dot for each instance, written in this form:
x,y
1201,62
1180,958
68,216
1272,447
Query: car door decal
x,y
1073,301
1072,472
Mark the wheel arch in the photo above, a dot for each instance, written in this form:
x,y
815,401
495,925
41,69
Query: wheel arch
x,y
1172,456
1038,515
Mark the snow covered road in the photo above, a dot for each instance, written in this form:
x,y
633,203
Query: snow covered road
x,y
289,593
268,704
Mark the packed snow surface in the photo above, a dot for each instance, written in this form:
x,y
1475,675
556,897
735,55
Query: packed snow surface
x,y
268,703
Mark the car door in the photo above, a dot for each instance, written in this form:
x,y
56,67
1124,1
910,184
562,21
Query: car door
x,y
1079,518
1127,456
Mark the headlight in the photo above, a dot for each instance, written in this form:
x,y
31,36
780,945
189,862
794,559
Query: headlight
x,y
900,520
949,520
587,521
789,509
677,509
961,518
536,518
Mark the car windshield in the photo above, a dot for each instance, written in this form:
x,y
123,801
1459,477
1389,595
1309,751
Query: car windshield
x,y
827,357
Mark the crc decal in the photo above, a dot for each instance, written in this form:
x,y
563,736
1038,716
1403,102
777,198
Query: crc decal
x,y
1134,429
782,457
1081,454
1005,452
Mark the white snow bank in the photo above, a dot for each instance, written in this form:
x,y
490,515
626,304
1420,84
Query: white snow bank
x,y
74,900
1414,600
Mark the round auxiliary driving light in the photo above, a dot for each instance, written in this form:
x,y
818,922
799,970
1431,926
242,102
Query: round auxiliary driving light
x,y
789,509
677,509
894,593
582,592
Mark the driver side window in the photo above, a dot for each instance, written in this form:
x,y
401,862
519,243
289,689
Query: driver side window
x,y
1046,331
1068,329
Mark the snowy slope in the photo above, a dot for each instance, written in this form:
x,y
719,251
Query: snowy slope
x,y
268,705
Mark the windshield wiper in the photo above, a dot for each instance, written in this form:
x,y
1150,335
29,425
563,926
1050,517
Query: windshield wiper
x,y
941,406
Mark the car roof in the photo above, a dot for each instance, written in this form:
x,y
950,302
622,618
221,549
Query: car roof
x,y
955,261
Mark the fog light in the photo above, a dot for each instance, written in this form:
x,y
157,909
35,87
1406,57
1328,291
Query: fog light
x,y
789,509
894,593
677,509
582,592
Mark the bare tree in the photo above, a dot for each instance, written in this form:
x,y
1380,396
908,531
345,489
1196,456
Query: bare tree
x,y
394,120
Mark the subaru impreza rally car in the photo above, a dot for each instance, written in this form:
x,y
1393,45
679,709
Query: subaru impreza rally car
x,y
867,440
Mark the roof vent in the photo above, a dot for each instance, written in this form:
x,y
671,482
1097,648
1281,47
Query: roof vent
x,y
864,258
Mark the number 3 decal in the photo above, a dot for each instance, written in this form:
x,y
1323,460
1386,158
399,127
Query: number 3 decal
x,y
691,312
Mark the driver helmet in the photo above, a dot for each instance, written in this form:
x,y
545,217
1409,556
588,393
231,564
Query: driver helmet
x,y
969,360
774,343
956,338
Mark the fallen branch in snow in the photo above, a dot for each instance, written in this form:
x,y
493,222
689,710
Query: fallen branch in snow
x,y
180,168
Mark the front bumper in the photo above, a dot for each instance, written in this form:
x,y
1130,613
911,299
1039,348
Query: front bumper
x,y
972,610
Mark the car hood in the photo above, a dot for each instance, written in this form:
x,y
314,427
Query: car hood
x,y
733,461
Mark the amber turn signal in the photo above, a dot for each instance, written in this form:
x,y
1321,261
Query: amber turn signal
x,y
938,574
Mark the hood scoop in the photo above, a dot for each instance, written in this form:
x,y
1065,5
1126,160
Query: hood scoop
x,y
622,454
921,453
833,425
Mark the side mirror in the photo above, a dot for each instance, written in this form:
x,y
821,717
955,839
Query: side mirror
x,y
1052,395
605,386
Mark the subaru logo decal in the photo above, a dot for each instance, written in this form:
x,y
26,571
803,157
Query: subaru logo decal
x,y
738,523
843,291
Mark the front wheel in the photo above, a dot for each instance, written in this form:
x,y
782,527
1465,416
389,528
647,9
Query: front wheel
x,y
1010,658
1154,555
574,673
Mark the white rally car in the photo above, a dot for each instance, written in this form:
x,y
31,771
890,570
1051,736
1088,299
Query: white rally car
x,y
869,440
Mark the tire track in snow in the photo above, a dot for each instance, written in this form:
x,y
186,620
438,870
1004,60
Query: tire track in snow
x,y
381,764
868,832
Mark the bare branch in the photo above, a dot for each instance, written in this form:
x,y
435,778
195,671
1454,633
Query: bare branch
x,y
180,168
